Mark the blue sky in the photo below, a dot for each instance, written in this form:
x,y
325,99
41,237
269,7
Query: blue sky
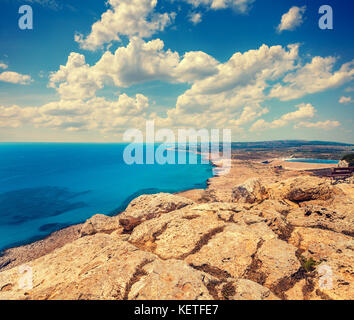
x,y
183,63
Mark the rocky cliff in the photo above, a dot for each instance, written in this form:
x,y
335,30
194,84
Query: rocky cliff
x,y
273,241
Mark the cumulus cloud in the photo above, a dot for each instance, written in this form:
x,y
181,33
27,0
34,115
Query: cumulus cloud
x,y
239,5
326,125
303,111
316,76
195,17
345,100
14,116
77,79
138,62
292,19
3,65
232,94
236,89
14,77
96,113
125,18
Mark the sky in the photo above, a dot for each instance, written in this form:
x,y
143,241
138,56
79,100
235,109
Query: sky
x,y
90,70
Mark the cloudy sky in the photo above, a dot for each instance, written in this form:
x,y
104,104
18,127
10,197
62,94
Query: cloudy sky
x,y
89,70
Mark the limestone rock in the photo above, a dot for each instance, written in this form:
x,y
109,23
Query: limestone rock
x,y
333,250
147,207
230,252
129,223
303,188
323,218
250,191
99,223
177,234
92,267
170,280
249,290
277,260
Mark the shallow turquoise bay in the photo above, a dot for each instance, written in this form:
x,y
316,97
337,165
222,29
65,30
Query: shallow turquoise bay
x,y
45,187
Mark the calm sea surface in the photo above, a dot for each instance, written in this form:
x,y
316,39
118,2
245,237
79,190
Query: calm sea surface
x,y
45,187
313,161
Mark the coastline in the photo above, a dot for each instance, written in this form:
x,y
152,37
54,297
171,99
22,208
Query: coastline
x,y
218,186
17,255
256,203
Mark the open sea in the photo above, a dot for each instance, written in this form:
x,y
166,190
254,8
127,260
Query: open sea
x,y
45,187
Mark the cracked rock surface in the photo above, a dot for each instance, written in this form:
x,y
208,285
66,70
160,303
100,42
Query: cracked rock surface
x,y
256,246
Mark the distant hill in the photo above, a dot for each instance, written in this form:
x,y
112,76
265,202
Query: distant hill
x,y
286,144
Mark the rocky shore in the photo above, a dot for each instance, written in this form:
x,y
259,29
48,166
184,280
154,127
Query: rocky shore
x,y
259,233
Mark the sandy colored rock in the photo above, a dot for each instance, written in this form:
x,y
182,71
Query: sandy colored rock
x,y
250,191
147,207
92,267
303,188
177,234
249,290
277,260
334,250
99,223
231,250
170,280
319,217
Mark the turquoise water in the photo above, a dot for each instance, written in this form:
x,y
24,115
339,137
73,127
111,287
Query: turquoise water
x,y
45,187
313,161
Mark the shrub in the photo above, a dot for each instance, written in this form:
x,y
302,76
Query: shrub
x,y
308,264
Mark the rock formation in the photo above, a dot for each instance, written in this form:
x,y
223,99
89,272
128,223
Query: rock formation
x,y
273,241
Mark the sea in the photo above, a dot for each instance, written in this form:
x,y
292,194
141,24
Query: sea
x,y
313,161
45,187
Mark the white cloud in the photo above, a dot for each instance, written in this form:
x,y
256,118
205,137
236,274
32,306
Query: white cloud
x,y
125,18
230,94
237,86
14,116
76,80
195,65
195,17
14,77
239,5
319,125
73,115
3,65
304,111
313,77
345,100
138,62
292,19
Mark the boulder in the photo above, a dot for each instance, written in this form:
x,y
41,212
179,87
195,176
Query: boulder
x,y
99,223
251,191
147,207
303,188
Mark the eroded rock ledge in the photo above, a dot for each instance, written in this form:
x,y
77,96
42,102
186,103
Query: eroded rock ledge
x,y
165,246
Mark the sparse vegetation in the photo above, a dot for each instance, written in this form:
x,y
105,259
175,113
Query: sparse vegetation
x,y
308,264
